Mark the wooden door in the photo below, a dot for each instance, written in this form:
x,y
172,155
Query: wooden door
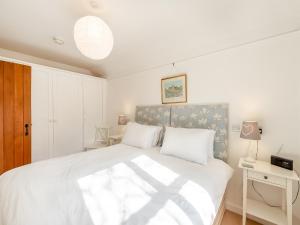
x,y
15,115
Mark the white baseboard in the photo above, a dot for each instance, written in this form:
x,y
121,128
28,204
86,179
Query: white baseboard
x,y
233,207
239,210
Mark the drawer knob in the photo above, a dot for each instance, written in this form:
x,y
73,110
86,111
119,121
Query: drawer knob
x,y
266,177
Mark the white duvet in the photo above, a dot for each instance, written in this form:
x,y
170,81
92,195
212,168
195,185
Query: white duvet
x,y
113,186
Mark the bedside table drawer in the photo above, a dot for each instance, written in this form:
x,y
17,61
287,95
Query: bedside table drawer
x,y
267,178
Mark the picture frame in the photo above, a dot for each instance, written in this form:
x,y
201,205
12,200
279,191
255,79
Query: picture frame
x,y
174,89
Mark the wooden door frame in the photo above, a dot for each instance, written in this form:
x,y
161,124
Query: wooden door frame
x,y
1,119
27,113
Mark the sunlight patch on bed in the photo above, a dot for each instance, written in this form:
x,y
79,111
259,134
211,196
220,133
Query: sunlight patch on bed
x,y
113,195
156,170
170,214
201,201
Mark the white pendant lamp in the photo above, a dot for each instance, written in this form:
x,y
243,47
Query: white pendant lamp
x,y
93,37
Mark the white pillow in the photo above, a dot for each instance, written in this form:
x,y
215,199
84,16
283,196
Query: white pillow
x,y
212,141
189,144
141,136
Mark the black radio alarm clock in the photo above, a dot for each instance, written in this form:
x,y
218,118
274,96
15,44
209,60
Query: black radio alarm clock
x,y
282,162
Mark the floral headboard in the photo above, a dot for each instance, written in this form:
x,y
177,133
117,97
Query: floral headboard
x,y
158,115
212,116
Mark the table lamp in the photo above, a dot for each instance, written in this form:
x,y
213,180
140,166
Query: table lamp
x,y
123,120
251,131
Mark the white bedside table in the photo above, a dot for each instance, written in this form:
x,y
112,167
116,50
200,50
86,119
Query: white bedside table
x,y
269,174
114,139
95,146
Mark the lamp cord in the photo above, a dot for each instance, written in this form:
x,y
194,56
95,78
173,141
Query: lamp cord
x,y
261,196
276,206
298,188
256,191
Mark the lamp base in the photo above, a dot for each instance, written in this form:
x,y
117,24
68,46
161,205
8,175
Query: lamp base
x,y
249,159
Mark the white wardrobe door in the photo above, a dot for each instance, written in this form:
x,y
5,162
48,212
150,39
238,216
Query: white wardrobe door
x,y
68,114
42,130
104,101
93,109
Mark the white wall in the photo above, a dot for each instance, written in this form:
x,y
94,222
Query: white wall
x,y
260,81
17,57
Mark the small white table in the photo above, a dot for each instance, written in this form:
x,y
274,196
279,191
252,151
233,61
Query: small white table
x,y
269,174
95,145
113,139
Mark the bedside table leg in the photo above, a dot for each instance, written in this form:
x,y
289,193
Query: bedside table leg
x,y
283,200
289,202
245,197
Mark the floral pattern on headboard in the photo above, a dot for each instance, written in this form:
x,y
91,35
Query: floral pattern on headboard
x,y
213,116
157,115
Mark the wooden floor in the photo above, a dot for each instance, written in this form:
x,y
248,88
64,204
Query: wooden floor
x,y
231,218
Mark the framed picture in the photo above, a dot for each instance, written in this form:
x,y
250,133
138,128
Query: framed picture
x,y
174,89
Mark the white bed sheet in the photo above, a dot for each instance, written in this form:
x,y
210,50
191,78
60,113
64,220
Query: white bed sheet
x,y
112,186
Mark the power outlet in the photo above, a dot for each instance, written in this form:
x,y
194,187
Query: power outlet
x,y
236,128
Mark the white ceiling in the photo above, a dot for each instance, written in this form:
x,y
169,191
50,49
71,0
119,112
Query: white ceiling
x,y
147,33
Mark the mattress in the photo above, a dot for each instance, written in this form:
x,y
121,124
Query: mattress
x,y
112,186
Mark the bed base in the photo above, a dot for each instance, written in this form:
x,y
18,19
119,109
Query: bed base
x,y
220,214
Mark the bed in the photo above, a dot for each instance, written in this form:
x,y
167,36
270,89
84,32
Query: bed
x,y
120,184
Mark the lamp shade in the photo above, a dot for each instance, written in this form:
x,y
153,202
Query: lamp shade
x,y
250,130
93,37
123,120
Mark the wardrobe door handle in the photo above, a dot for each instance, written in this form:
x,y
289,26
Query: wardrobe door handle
x,y
26,129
